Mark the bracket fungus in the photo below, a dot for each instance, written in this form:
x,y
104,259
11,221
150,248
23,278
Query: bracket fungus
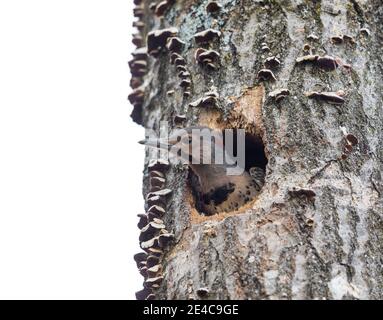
x,y
366,32
179,119
140,257
154,173
203,292
279,94
162,7
164,239
151,261
157,39
157,182
151,229
158,165
175,44
154,271
312,37
329,97
155,252
156,210
208,58
206,36
339,39
326,62
213,7
151,281
272,62
143,294
143,220
265,75
140,25
209,99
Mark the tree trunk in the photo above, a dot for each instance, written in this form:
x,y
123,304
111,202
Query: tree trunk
x,y
315,230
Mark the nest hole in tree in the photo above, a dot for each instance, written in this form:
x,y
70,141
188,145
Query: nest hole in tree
x,y
255,156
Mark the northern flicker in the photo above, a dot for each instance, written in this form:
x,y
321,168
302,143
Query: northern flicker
x,y
214,189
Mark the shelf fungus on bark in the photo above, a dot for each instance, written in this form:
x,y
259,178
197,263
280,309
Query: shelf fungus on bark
x,y
179,119
136,82
175,44
266,75
185,83
155,173
151,229
151,243
184,75
152,281
329,97
138,68
164,239
155,251
155,201
209,99
206,36
181,68
279,94
162,7
152,260
140,53
306,47
213,7
265,47
272,62
137,40
203,292
138,12
339,39
154,271
157,183
158,165
143,272
157,39
143,221
156,210
326,62
143,294
140,257
140,25
137,96
313,37
161,193
208,58
366,32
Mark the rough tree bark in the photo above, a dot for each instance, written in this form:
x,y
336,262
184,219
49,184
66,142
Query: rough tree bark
x,y
316,230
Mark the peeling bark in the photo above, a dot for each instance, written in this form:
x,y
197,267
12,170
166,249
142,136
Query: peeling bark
x,y
316,229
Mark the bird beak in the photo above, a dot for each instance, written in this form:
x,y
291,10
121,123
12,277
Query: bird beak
x,y
155,143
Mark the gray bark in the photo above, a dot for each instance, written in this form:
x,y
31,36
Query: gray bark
x,y
316,229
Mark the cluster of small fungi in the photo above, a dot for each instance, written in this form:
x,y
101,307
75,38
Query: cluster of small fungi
x,y
154,238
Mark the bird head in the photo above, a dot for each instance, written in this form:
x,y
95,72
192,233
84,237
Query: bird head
x,y
193,145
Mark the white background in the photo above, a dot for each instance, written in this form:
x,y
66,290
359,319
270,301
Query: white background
x,y
70,165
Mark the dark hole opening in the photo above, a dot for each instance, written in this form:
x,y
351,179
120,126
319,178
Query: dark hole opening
x,y
254,157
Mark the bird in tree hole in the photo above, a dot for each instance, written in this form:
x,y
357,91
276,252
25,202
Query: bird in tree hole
x,y
214,189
